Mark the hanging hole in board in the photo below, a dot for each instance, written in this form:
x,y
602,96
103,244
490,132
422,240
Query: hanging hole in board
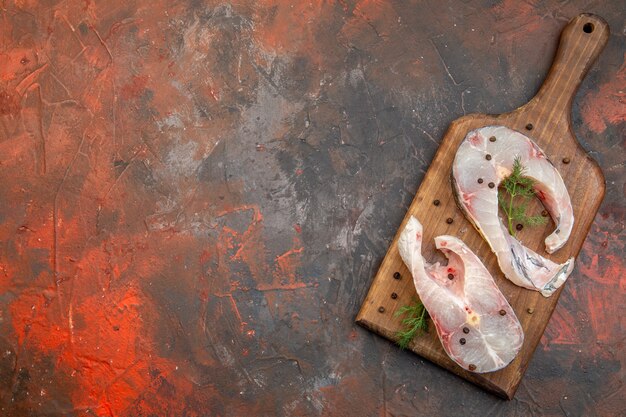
x,y
529,126
588,28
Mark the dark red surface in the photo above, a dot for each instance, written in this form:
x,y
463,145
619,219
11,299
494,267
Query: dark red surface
x,y
194,198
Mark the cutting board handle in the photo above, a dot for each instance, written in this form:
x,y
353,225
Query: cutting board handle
x,y
581,42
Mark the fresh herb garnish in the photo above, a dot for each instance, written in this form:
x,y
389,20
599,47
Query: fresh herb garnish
x,y
517,185
415,322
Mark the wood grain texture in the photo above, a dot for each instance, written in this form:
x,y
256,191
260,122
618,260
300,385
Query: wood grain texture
x,y
545,119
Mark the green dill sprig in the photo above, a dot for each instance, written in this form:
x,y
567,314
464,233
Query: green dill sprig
x,y
517,185
414,322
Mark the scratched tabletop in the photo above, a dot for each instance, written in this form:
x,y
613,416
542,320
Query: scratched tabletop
x,y
195,197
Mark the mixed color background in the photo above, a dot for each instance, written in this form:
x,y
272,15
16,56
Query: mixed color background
x,y
195,196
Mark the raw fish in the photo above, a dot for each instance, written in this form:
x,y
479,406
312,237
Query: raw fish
x,y
483,160
475,324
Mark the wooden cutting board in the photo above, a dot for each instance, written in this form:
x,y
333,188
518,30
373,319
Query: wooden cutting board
x,y
545,119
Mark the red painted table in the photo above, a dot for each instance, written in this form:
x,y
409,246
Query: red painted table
x,y
194,197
